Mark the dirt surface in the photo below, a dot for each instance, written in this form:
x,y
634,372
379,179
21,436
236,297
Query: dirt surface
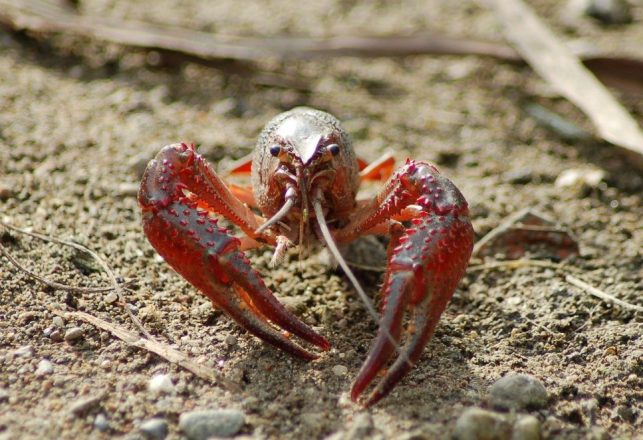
x,y
79,120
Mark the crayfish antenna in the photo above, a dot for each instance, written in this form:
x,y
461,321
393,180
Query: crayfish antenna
x,y
332,247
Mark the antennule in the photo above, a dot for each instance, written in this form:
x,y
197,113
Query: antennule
x,y
283,211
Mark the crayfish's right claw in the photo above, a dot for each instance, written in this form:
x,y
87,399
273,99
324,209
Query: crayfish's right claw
x,y
183,233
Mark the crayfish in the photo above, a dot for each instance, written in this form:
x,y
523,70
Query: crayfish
x,y
305,178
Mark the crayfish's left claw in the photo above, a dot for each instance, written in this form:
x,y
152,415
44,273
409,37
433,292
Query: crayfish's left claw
x,y
425,265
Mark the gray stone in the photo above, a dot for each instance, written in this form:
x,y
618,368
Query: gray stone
x,y
73,334
81,407
101,423
340,370
609,12
518,392
526,428
478,424
203,424
25,351
154,429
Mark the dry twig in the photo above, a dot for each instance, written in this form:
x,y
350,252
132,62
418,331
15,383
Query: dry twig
x,y
115,285
208,49
47,281
516,264
600,294
166,352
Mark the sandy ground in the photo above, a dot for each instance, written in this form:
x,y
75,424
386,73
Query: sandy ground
x,y
79,120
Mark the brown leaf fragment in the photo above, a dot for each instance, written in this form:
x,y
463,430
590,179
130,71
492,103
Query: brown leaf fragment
x,y
527,231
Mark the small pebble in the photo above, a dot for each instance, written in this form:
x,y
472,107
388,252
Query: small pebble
x,y
231,340
83,406
526,428
478,424
520,176
58,322
518,391
4,395
598,433
111,298
5,192
161,383
580,178
154,429
25,351
608,12
314,421
360,428
56,336
44,368
127,189
203,424
73,334
28,316
101,423
340,370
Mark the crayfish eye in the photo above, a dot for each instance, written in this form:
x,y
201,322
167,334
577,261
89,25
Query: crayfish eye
x,y
334,149
275,150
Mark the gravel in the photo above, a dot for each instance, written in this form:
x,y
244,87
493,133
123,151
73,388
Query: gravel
x,y
44,368
25,351
340,370
526,428
479,424
203,424
101,423
154,429
81,407
74,334
518,392
161,384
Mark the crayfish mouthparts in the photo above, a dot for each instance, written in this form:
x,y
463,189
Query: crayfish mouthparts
x,y
304,167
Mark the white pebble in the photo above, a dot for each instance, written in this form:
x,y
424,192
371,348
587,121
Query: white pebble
x,y
340,370
161,383
44,367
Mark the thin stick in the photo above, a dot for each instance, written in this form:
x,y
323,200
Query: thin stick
x,y
600,294
95,256
516,264
48,282
166,352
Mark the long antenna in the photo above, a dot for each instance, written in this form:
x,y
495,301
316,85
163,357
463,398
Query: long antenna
x,y
330,243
